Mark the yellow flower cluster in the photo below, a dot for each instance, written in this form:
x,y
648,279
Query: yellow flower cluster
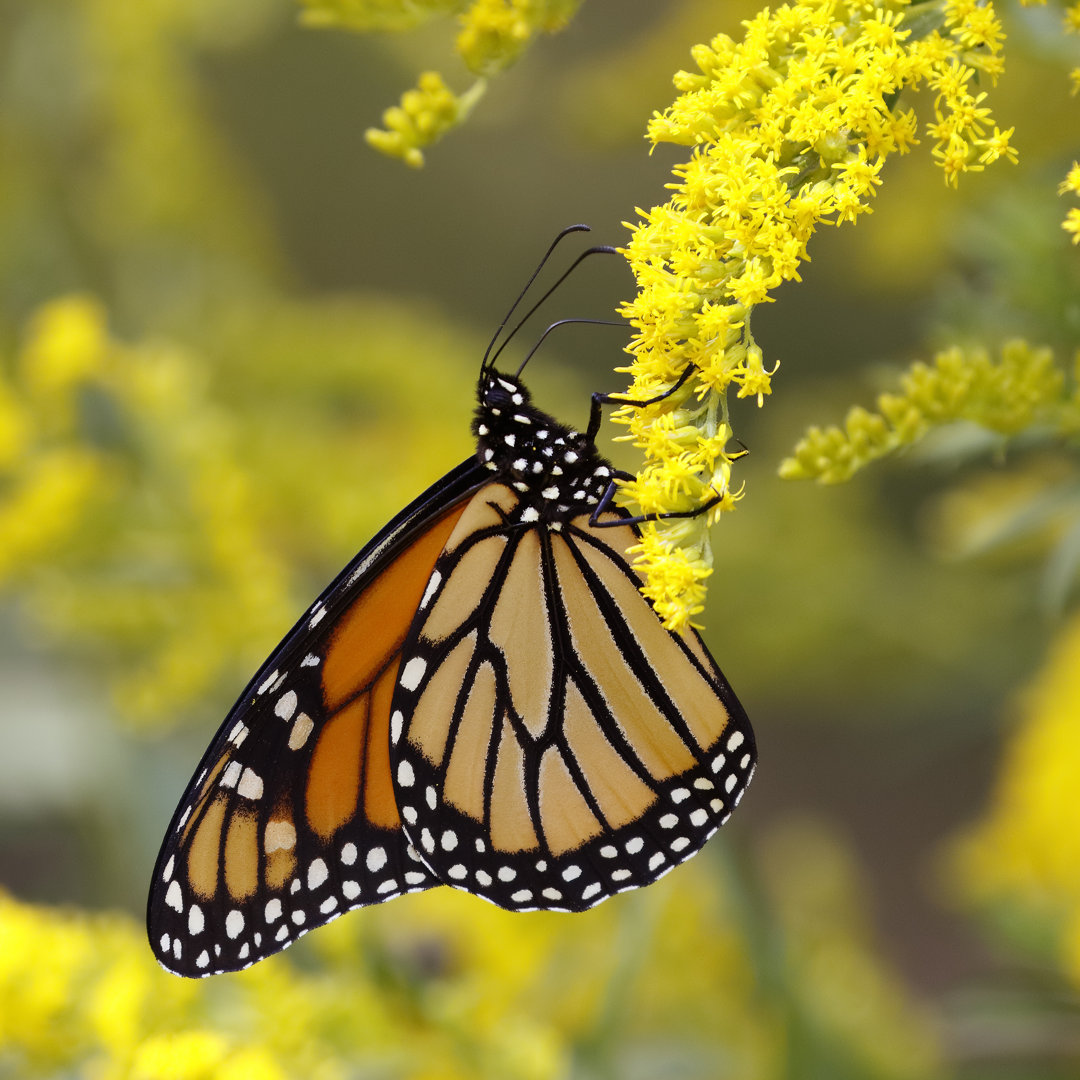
x,y
1071,183
1023,387
439,986
1025,853
790,128
423,117
492,35
49,476
111,459
494,32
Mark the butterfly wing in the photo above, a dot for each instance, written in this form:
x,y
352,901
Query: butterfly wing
x,y
291,818
551,743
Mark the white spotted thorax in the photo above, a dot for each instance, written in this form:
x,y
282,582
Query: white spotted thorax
x,y
556,471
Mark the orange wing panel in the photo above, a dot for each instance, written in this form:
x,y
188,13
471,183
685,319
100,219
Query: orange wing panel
x,y
370,632
333,783
380,806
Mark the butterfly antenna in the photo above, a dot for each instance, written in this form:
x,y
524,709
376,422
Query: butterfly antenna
x,y
484,364
603,249
564,322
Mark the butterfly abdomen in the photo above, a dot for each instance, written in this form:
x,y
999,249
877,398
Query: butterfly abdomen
x,y
556,471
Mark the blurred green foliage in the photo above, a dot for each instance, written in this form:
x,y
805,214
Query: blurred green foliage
x,y
233,342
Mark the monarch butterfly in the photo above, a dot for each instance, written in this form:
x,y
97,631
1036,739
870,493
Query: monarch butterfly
x,y
482,699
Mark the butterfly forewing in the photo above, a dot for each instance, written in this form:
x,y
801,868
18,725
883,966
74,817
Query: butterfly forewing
x,y
292,818
562,746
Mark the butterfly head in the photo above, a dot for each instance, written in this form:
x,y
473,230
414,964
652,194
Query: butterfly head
x,y
506,422
556,471
496,391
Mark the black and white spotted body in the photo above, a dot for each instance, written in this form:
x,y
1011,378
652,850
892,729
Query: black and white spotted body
x,y
557,472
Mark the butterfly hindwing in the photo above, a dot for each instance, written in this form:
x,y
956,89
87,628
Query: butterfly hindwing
x,y
553,743
291,819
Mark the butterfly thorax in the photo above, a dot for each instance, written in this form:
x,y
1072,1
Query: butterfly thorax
x,y
554,469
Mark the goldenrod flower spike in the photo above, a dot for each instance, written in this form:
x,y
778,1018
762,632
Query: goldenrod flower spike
x,y
492,35
423,117
789,130
1024,387
494,32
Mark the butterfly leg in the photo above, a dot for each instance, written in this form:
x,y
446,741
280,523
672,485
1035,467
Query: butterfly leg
x,y
607,498
600,399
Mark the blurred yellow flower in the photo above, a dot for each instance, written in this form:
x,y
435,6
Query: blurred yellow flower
x,y
1025,852
423,117
492,35
1025,387
107,432
1071,183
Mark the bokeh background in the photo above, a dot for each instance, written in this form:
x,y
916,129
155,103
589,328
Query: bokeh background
x,y
234,341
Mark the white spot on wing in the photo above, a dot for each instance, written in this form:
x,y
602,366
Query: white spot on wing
x,y
317,873
286,705
174,898
250,786
301,729
413,672
433,583
279,836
